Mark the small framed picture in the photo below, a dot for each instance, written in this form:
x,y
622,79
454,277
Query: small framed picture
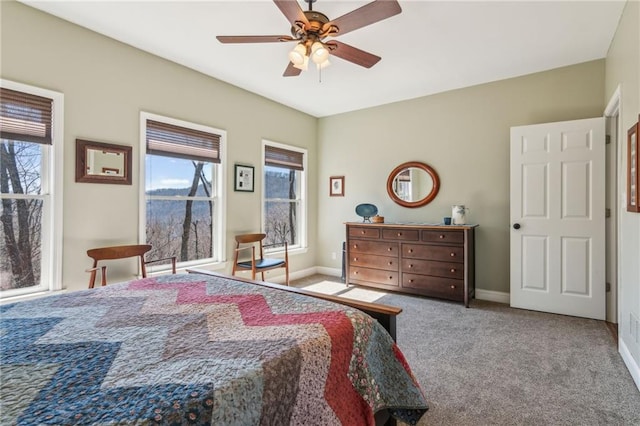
x,y
243,178
336,186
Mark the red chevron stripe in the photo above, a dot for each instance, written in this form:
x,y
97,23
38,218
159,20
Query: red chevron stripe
x,y
339,392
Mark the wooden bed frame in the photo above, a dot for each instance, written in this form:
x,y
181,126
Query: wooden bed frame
x,y
385,314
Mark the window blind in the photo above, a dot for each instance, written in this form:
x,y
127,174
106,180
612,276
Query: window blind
x,y
181,142
25,117
285,158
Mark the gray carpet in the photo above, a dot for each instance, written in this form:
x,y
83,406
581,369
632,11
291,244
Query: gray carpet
x,y
494,365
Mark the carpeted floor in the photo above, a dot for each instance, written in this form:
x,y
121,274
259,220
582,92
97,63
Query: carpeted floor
x,y
494,365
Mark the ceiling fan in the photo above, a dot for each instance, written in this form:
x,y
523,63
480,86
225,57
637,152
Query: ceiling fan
x,y
310,28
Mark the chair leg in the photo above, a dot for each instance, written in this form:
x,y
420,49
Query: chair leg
x,y
104,276
92,279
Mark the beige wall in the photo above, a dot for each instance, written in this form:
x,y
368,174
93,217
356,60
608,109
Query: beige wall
x,y
623,70
464,135
105,85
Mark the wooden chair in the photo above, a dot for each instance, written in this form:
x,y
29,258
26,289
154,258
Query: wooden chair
x,y
122,252
248,242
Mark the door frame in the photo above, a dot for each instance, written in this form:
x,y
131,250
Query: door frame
x,y
614,110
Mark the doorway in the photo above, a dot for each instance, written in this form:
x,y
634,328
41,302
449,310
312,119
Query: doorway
x,y
613,160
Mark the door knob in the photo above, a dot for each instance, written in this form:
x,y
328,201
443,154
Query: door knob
x,y
516,226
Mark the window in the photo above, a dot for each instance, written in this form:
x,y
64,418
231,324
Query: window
x,y
284,206
30,189
183,189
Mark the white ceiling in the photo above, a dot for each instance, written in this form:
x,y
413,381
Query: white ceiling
x,y
430,47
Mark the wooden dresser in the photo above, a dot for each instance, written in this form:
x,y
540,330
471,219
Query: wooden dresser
x,y
430,260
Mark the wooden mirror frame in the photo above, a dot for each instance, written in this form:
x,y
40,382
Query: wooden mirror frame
x,y
412,204
81,162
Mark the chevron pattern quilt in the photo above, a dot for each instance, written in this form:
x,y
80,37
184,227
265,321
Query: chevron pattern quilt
x,y
195,349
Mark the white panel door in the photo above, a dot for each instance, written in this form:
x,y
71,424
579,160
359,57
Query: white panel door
x,y
558,218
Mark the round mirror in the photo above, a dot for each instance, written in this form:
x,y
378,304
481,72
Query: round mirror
x,y
413,184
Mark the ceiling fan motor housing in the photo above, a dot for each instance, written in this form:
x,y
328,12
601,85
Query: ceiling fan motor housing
x,y
315,30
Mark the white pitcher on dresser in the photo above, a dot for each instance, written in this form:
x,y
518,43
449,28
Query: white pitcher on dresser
x,y
458,214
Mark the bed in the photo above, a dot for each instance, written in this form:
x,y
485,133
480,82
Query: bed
x,y
199,349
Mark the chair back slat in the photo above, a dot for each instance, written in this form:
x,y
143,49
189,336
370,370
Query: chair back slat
x,y
250,238
118,252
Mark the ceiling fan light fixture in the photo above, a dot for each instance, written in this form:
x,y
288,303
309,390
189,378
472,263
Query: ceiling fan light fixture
x,y
302,66
298,55
319,52
324,64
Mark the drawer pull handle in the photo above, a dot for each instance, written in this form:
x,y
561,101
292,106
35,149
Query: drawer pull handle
x,y
390,278
390,263
410,250
355,273
441,236
363,232
410,281
389,249
453,270
411,265
355,259
355,246
453,286
453,255
399,234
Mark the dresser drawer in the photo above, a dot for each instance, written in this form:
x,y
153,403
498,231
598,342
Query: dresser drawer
x,y
372,261
400,234
364,232
373,247
374,275
434,286
449,237
433,252
431,267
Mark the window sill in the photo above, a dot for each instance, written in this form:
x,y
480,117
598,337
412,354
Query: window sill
x,y
213,266
295,251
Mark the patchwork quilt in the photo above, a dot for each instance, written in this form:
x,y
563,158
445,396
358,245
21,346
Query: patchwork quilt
x,y
196,349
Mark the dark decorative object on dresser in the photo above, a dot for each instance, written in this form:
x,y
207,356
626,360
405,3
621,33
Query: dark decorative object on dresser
x,y
429,260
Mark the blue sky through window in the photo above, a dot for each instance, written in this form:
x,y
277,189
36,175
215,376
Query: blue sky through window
x,y
168,172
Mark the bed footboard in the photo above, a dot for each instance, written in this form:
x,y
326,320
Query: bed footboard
x,y
385,314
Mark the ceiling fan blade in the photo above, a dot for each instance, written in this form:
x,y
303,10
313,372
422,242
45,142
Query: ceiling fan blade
x,y
368,14
352,54
292,10
291,71
254,39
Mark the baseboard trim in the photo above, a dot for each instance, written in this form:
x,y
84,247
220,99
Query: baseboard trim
x,y
334,272
631,363
493,296
271,276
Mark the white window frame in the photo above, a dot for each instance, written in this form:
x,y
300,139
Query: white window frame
x,y
51,194
303,231
219,219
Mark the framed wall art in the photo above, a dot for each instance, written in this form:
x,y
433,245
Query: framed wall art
x,y
336,186
633,169
243,178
